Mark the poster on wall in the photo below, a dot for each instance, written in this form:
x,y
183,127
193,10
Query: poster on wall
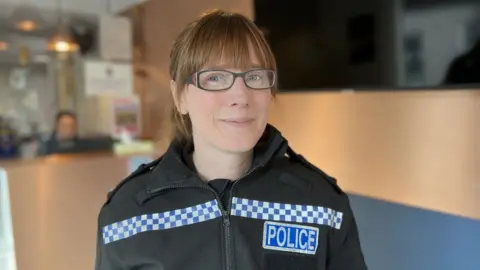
x,y
103,78
126,117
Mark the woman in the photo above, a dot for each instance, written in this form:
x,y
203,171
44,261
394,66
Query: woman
x,y
64,136
229,193
66,126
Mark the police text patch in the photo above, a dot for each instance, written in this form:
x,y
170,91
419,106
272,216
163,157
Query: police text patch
x,y
290,237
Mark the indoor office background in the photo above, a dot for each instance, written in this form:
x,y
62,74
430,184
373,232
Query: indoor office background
x,y
364,95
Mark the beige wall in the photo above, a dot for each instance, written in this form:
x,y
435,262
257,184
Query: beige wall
x,y
417,148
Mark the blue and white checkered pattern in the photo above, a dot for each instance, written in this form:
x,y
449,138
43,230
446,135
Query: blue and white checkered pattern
x,y
161,221
274,211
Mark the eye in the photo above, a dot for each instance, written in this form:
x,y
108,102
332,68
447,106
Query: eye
x,y
215,77
254,77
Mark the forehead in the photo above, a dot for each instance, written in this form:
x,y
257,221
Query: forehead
x,y
237,49
248,62
226,42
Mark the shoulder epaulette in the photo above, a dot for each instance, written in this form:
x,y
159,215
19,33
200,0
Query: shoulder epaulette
x,y
302,160
142,169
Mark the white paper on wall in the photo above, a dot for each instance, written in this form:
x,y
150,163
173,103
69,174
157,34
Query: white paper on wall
x,y
103,78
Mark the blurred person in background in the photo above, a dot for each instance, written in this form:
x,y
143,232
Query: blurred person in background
x,y
66,126
229,193
64,135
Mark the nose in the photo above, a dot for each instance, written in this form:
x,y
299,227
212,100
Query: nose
x,y
239,93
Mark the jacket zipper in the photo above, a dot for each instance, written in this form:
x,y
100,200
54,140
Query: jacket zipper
x,y
228,241
225,209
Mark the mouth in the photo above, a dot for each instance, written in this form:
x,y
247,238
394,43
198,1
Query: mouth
x,y
238,120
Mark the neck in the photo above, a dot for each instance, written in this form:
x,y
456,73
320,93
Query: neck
x,y
213,163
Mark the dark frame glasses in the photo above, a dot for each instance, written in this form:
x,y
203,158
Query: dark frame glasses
x,y
194,79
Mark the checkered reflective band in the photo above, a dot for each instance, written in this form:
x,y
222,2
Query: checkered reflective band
x,y
274,211
161,221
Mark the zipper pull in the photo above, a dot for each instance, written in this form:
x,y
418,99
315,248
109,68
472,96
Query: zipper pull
x,y
226,219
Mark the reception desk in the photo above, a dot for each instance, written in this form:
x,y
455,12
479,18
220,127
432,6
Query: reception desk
x,y
54,203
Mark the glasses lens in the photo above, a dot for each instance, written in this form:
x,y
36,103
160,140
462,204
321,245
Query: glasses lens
x,y
220,79
260,79
215,80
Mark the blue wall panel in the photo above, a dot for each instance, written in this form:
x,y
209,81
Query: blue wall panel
x,y
398,237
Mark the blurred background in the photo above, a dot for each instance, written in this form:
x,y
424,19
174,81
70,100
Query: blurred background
x,y
381,94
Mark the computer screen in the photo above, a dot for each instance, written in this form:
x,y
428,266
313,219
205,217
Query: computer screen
x,y
373,44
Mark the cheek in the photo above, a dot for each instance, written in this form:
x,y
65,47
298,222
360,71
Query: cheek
x,y
263,101
201,106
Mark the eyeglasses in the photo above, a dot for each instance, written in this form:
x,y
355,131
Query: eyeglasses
x,y
218,80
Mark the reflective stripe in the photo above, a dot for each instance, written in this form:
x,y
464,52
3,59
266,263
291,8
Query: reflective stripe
x,y
161,221
274,211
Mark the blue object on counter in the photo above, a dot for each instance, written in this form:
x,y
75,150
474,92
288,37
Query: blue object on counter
x,y
8,147
135,162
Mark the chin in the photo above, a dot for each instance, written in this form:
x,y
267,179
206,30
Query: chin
x,y
234,139
238,148
237,145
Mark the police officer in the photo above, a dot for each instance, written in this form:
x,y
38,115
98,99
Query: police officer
x,y
229,193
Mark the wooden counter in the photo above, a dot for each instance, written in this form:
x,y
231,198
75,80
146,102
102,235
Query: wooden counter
x,y
54,206
52,159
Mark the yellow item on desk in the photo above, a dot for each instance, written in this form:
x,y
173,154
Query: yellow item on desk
x,y
133,147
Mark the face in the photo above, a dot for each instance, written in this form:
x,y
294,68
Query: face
x,y
231,120
67,127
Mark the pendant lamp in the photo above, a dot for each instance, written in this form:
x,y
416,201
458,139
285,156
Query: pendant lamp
x,y
62,41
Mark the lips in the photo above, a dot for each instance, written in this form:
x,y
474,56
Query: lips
x,y
242,120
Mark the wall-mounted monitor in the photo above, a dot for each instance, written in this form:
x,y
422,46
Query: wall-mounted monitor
x,y
373,44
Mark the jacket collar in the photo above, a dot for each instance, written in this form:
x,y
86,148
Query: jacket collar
x,y
172,170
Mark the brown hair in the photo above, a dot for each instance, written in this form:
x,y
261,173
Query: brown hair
x,y
231,34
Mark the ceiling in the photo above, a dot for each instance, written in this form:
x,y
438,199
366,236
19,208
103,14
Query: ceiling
x,y
78,13
73,6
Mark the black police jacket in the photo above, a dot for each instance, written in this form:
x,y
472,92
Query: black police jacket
x,y
284,213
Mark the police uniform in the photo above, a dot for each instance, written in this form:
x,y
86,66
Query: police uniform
x,y
284,213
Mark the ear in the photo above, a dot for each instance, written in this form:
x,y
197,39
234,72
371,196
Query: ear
x,y
178,98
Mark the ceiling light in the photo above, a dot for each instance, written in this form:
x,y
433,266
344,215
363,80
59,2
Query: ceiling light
x,y
26,18
26,25
62,44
